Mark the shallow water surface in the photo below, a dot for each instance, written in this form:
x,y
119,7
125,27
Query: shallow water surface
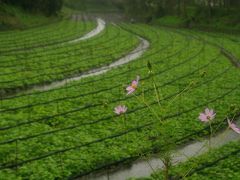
x,y
144,168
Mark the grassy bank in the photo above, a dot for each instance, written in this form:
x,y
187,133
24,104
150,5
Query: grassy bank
x,y
221,22
12,17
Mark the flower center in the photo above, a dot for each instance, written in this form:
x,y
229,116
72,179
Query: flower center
x,y
134,86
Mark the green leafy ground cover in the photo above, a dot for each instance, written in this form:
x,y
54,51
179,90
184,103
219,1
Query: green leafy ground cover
x,y
230,42
46,64
221,163
91,6
72,130
62,31
15,17
222,20
174,21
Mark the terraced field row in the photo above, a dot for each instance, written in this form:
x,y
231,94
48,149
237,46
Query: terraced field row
x,y
72,130
15,41
230,43
47,64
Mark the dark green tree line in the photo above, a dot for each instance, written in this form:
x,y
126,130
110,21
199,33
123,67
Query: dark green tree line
x,y
156,8
48,7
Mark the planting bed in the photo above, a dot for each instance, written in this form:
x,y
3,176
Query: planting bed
x,y
72,130
66,30
47,64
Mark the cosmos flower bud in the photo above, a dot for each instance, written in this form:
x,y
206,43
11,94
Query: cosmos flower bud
x,y
149,65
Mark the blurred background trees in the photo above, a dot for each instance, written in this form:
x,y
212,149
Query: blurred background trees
x,y
213,14
156,8
48,7
143,9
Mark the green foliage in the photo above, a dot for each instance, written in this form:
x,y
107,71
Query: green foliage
x,y
174,21
16,17
189,13
52,66
143,10
93,5
80,115
48,7
221,163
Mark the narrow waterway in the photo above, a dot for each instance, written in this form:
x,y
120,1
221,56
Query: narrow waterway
x,y
133,55
144,168
101,24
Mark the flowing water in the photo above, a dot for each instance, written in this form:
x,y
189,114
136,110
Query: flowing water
x,y
136,53
144,168
101,24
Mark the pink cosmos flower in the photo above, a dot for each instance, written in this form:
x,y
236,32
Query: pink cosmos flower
x,y
207,116
233,127
130,89
120,109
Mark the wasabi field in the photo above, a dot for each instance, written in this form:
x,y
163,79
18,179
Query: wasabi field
x,y
86,97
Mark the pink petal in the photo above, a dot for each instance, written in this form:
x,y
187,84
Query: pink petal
x,y
124,109
134,83
213,115
120,109
130,90
203,117
207,112
236,129
233,127
117,112
211,112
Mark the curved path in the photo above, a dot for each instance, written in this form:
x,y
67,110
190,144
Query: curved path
x,y
144,168
101,24
136,53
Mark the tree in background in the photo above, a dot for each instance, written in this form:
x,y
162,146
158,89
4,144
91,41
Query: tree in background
x,y
155,8
48,7
144,9
94,5
149,9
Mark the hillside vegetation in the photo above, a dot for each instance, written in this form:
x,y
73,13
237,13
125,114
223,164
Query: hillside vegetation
x,y
92,5
16,15
204,14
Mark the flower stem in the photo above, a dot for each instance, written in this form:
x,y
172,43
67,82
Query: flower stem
x,y
210,134
125,126
167,165
180,93
157,93
149,107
